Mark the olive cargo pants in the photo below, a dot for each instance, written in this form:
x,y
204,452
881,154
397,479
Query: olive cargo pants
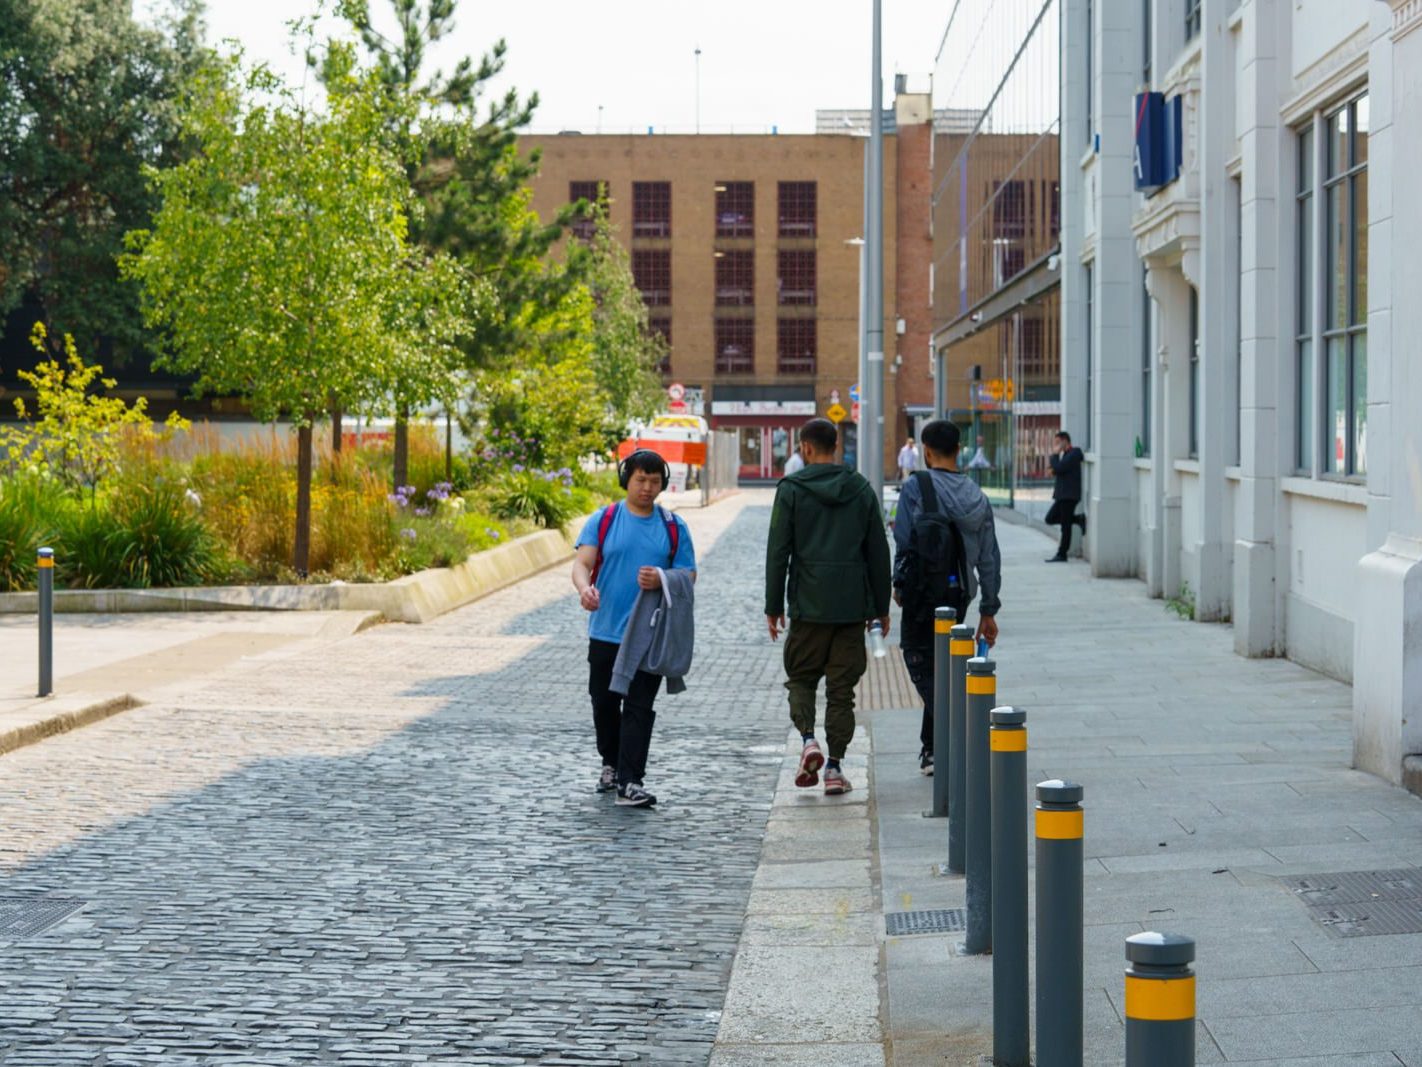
x,y
835,652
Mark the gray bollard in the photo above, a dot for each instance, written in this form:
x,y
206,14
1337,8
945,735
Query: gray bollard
x,y
943,620
1160,1001
982,696
1060,921
45,564
960,650
1011,1017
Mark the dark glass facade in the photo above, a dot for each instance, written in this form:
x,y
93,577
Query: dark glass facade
x,y
996,228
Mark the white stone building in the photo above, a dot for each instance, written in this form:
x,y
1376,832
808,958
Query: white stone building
x,y
1242,347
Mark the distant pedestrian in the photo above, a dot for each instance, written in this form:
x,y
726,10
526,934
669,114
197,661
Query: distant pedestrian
x,y
1066,493
980,461
620,553
908,460
796,462
827,539
947,553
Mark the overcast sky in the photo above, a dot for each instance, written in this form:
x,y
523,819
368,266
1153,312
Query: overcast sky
x,y
763,62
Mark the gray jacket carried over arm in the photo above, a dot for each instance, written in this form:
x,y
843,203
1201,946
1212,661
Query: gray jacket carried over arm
x,y
660,635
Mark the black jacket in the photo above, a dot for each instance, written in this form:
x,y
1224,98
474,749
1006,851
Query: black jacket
x,y
827,536
1067,468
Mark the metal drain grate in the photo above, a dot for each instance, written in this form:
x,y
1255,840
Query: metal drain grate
x,y
935,921
24,917
1363,903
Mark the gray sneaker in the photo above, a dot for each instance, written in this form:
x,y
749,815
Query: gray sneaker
x,y
632,795
836,782
607,781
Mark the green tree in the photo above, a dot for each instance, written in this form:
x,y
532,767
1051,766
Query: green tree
x,y
87,98
279,264
626,353
469,178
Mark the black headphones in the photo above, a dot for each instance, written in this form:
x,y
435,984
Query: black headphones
x,y
624,469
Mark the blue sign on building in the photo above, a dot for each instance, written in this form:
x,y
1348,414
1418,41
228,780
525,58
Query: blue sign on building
x,y
1158,141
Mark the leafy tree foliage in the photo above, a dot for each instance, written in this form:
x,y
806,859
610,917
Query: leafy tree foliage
x,y
279,264
87,99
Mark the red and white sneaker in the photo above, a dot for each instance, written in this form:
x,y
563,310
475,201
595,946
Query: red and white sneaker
x,y
836,782
811,760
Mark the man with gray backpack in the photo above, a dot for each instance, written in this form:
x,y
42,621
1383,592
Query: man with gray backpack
x,y
946,553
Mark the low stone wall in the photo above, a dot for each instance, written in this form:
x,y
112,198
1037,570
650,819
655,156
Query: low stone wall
x,y
414,598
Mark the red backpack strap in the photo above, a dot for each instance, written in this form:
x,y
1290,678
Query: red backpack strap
x,y
673,534
603,525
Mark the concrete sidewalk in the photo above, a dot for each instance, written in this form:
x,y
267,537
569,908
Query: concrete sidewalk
x,y
104,664
1209,780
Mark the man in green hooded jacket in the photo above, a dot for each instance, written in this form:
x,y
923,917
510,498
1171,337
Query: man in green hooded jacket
x,y
827,542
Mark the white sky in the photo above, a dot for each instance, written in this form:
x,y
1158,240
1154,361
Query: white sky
x,y
763,62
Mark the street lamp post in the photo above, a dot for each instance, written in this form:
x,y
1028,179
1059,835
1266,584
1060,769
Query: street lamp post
x,y
871,444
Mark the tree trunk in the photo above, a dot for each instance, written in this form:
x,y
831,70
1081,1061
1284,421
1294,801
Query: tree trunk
x,y
301,549
448,446
336,429
402,445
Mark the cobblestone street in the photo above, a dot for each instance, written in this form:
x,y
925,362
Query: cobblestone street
x,y
394,854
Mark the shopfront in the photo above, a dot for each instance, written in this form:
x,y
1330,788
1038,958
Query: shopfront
x,y
767,423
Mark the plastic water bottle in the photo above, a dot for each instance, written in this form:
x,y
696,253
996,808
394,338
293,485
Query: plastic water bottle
x,y
982,648
876,640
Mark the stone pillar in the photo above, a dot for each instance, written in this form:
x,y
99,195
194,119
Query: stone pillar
x,y
1267,259
1112,508
1387,634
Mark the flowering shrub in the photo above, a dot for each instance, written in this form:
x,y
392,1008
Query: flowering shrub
x,y
544,497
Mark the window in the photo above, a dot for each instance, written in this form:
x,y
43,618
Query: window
x,y
1194,372
1090,72
796,284
651,272
1034,348
1054,207
1236,456
1332,363
735,209
797,209
1345,271
795,348
735,346
662,326
595,193
1090,351
1147,361
1192,19
651,209
1009,209
735,279
1305,413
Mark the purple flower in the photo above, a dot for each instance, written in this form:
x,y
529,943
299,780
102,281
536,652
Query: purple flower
x,y
396,499
423,513
518,468
408,534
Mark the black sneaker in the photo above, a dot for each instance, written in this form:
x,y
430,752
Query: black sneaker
x,y
1056,559
925,762
607,781
632,795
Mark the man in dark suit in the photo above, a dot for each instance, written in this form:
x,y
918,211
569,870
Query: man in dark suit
x,y
1066,493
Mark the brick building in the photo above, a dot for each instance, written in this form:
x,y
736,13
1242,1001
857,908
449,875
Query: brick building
x,y
739,244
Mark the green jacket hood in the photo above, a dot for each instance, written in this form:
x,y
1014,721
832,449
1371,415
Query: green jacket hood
x,y
829,483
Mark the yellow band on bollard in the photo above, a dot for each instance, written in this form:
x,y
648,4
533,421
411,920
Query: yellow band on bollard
x,y
982,683
1059,825
961,648
44,562
943,626
1160,999
1007,740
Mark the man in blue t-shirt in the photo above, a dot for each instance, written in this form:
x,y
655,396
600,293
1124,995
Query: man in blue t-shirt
x,y
636,539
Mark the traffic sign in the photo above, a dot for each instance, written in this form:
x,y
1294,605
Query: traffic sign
x,y
836,413
854,392
676,391
834,396
677,407
854,411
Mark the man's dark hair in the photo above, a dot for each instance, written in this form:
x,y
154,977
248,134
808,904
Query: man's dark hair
x,y
942,436
821,435
646,461
1064,435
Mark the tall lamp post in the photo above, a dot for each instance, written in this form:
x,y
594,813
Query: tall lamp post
x,y
871,444
860,436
